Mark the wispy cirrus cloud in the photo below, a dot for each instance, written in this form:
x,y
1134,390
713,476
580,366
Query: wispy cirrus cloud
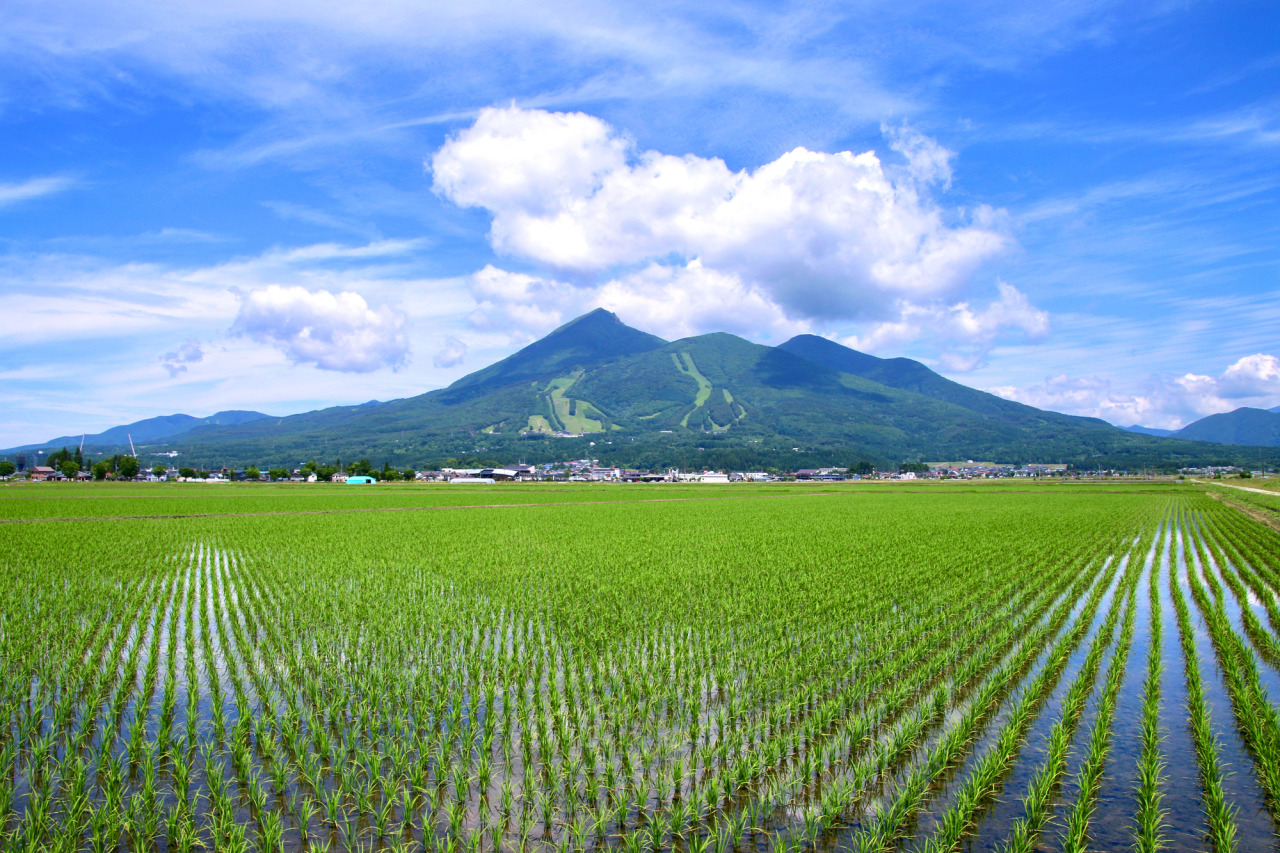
x,y
33,188
203,337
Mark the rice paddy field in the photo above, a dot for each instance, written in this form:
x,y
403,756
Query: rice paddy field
x,y
746,668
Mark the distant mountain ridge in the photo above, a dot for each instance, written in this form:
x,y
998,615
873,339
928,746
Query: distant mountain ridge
x,y
1149,430
1245,426
148,430
596,387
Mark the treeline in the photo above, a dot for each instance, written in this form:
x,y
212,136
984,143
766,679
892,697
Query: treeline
x,y
739,450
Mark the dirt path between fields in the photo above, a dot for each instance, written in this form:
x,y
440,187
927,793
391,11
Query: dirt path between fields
x,y
1274,494
1257,513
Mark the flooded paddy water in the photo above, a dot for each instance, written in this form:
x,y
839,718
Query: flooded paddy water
x,y
751,669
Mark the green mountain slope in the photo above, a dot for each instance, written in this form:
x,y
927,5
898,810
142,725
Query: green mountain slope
x,y
910,375
1257,427
596,387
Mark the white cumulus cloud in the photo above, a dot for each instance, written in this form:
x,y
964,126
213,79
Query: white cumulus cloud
x,y
964,334
675,301
693,298
821,236
1252,376
1168,402
521,306
334,331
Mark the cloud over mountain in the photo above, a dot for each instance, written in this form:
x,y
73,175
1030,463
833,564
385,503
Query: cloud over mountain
x,y
822,235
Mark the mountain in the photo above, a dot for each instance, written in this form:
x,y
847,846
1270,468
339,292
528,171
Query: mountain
x,y
1276,410
595,338
599,388
1258,427
1149,430
913,376
149,430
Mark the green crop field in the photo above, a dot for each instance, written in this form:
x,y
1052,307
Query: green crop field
x,y
637,668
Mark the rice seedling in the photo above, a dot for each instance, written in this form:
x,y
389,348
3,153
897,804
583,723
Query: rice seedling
x,y
1090,775
1038,802
1149,818
1221,816
810,673
1258,719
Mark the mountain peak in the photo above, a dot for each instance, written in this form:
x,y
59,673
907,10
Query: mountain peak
x,y
594,321
594,315
596,337
827,352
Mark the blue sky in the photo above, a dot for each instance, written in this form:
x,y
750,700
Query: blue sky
x,y
283,206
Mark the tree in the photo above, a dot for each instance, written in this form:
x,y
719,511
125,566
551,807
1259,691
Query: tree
x,y
409,474
101,469
862,467
69,468
186,472
128,467
79,458
159,470
278,474
7,468
252,473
